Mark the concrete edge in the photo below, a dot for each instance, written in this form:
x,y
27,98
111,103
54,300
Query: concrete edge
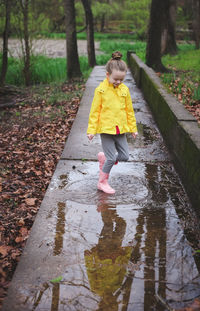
x,y
178,127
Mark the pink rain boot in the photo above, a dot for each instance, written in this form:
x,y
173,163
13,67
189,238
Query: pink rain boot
x,y
102,159
103,183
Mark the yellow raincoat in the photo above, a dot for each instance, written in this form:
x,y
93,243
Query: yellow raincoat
x,y
111,107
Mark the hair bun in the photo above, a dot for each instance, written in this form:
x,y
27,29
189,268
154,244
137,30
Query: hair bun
x,y
117,55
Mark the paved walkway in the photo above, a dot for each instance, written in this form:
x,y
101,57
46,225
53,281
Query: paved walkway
x,y
109,252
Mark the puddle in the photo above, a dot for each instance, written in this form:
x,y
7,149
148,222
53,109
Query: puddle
x,y
120,260
149,146
118,252
147,136
139,183
60,229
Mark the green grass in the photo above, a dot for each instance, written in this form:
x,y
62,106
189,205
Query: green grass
x,y
188,58
82,36
109,46
139,48
43,70
51,35
14,71
184,79
85,69
46,70
114,36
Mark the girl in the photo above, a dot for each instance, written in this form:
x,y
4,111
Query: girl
x,y
112,116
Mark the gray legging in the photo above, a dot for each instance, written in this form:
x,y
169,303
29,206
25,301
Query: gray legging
x,y
115,148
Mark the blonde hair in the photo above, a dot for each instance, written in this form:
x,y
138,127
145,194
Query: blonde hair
x,y
116,63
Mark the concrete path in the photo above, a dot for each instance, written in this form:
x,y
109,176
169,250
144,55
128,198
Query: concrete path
x,y
110,252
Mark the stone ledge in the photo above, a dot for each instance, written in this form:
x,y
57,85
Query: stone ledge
x,y
178,127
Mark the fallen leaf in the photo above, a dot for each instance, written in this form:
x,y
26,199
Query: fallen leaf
x,y
30,201
0,184
21,222
19,239
38,173
18,152
2,272
23,231
4,250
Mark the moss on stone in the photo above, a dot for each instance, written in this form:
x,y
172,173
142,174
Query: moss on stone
x,y
185,152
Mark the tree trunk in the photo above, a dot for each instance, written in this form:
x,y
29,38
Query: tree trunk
x,y
102,25
153,50
27,63
90,33
73,65
5,43
196,22
168,38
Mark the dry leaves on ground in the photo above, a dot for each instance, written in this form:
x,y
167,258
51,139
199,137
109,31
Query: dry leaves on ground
x,y
32,137
185,90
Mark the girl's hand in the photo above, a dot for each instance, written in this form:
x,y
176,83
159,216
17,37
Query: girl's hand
x,y
134,134
90,136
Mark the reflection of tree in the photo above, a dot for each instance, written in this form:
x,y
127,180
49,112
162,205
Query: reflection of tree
x,y
60,230
54,300
155,241
154,219
38,299
55,297
107,261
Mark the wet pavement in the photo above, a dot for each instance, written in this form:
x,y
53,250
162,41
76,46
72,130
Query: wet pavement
x,y
110,252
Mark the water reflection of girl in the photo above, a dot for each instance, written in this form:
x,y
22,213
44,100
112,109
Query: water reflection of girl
x,y
107,261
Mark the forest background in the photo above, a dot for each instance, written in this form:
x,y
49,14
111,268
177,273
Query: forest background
x,y
38,101
121,24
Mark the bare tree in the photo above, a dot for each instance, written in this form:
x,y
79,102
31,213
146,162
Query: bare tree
x,y
27,63
5,42
90,33
153,50
73,65
168,38
196,21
